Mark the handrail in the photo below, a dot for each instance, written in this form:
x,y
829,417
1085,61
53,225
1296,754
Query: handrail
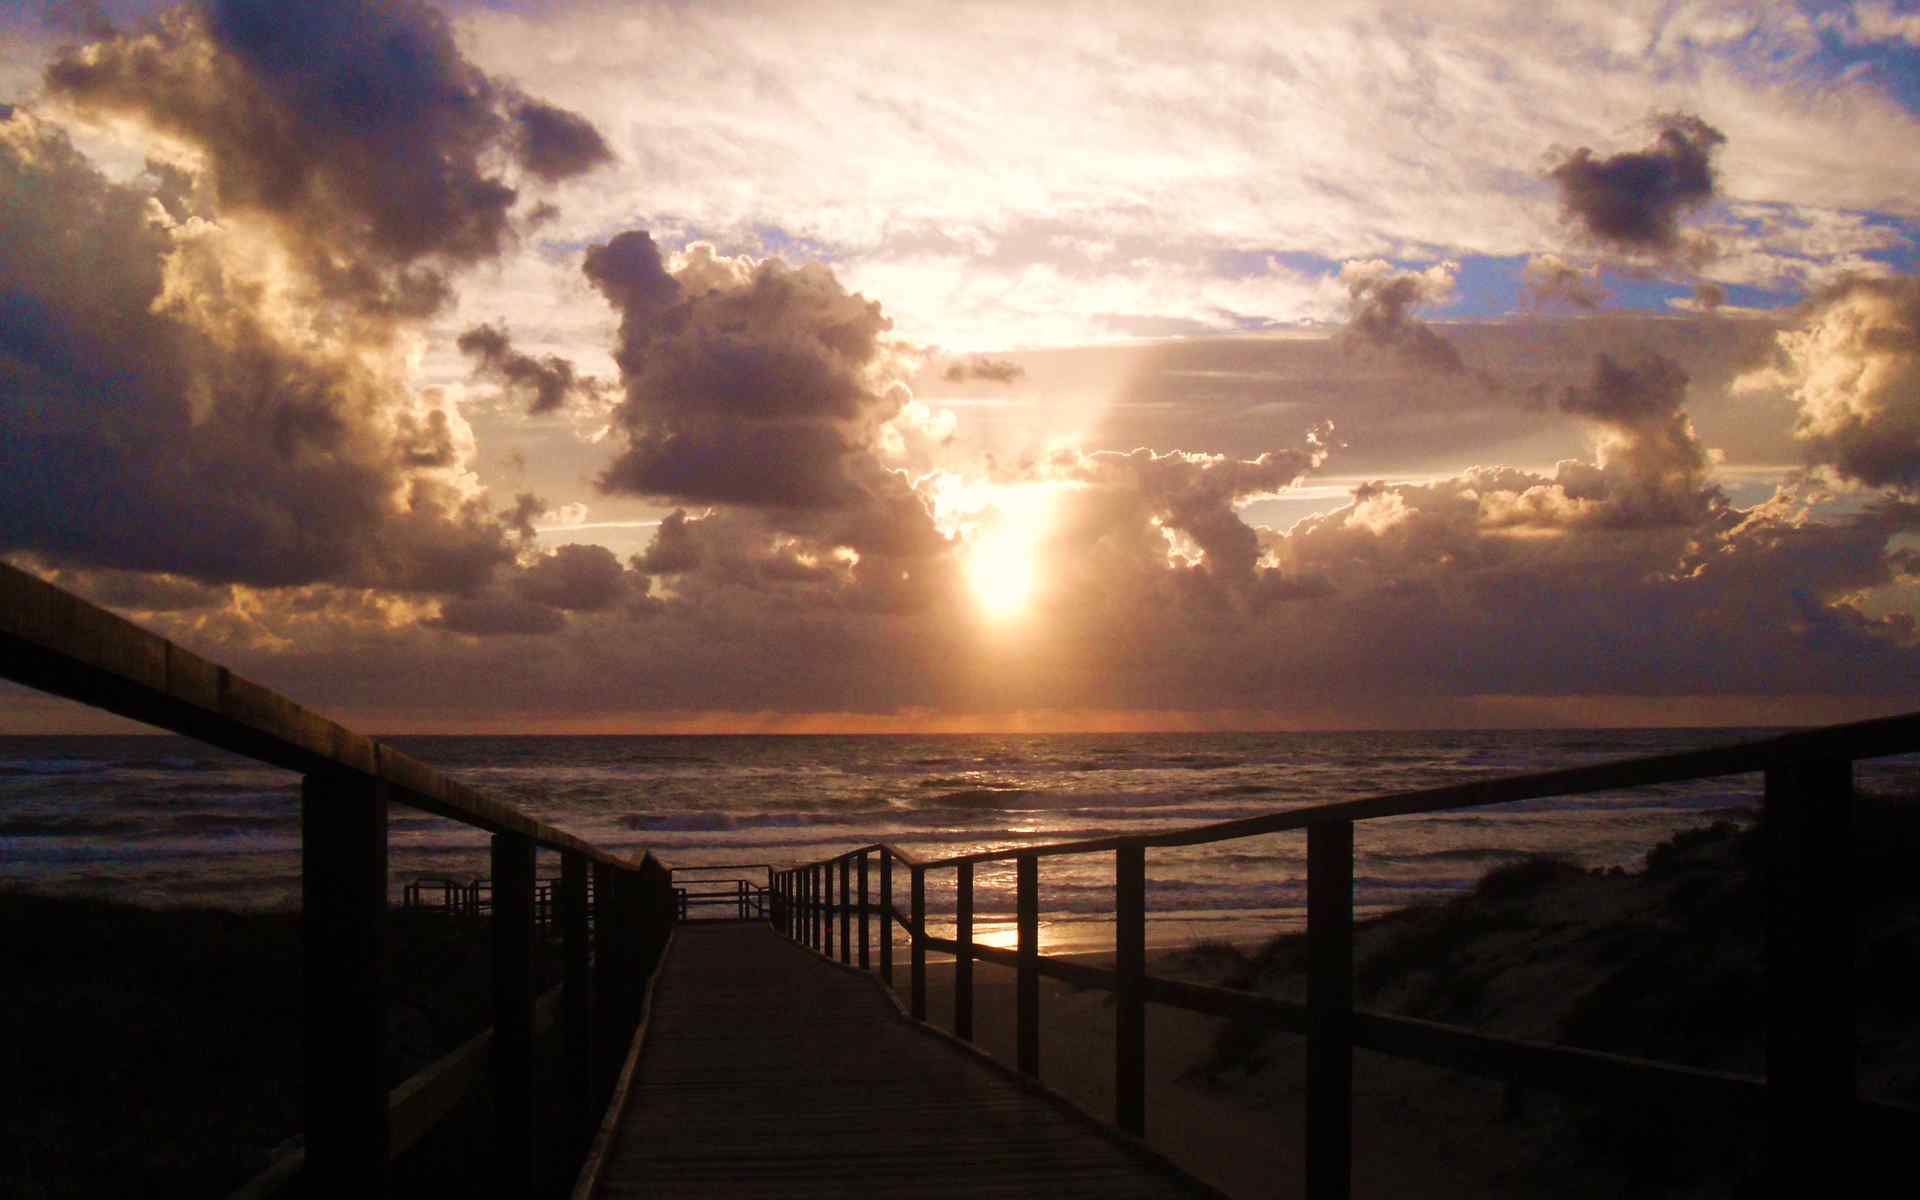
x,y
57,642
1809,1091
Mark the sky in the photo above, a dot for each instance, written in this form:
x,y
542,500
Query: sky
x,y
632,367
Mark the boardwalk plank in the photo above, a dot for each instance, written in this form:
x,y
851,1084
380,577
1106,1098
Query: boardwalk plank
x,y
768,1071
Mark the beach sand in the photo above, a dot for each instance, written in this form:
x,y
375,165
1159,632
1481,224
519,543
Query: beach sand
x,y
1420,1131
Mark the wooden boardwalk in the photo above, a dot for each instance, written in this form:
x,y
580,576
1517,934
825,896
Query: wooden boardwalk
x,y
768,1071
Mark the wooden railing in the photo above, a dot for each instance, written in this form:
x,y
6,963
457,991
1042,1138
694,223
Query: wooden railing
x,y
1809,1094
58,643
748,897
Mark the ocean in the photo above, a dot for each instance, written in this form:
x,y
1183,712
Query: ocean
x,y
163,821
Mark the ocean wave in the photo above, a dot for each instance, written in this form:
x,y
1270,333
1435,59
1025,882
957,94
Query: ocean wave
x,y
52,766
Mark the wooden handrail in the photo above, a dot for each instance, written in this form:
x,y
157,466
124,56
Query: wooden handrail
x,y
1809,1092
59,643
56,642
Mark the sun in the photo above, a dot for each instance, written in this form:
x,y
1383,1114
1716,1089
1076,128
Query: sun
x,y
1000,570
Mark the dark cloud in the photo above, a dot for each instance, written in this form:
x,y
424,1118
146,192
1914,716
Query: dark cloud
x,y
1634,201
1708,296
358,126
1853,367
1652,469
543,384
491,614
575,578
555,144
753,384
159,417
989,370
1380,304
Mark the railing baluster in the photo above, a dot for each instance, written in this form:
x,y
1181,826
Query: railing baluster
x,y
1130,965
917,947
866,913
1812,1042
1027,1006
826,909
576,996
1329,1001
963,951
846,912
343,888
886,916
606,981
513,997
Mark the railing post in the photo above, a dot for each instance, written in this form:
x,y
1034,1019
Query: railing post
x,y
606,1006
343,890
1329,1001
826,909
846,911
1130,966
740,891
866,913
1811,928
1027,1006
513,996
576,997
886,916
917,943
963,951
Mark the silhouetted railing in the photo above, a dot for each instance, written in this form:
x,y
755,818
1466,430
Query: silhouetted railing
x,y
1809,1092
56,642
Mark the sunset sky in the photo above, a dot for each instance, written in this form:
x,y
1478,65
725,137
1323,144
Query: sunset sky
x,y
656,366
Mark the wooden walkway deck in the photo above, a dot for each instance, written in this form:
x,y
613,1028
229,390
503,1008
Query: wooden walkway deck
x,y
768,1071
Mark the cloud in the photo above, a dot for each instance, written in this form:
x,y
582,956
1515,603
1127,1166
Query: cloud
x,y
1651,468
750,383
492,614
543,384
575,578
555,144
1707,297
164,415
989,370
1633,201
1853,367
1550,278
1380,311
359,128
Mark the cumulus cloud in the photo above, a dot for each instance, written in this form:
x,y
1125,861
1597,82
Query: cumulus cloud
x,y
553,143
1633,201
205,369
1380,304
162,415
574,578
1853,367
758,384
1550,278
989,370
1651,468
491,614
544,384
358,127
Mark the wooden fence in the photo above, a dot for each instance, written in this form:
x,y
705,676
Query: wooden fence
x,y
56,642
1815,1116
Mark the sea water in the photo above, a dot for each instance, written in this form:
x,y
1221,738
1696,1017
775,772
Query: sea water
x,y
167,821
